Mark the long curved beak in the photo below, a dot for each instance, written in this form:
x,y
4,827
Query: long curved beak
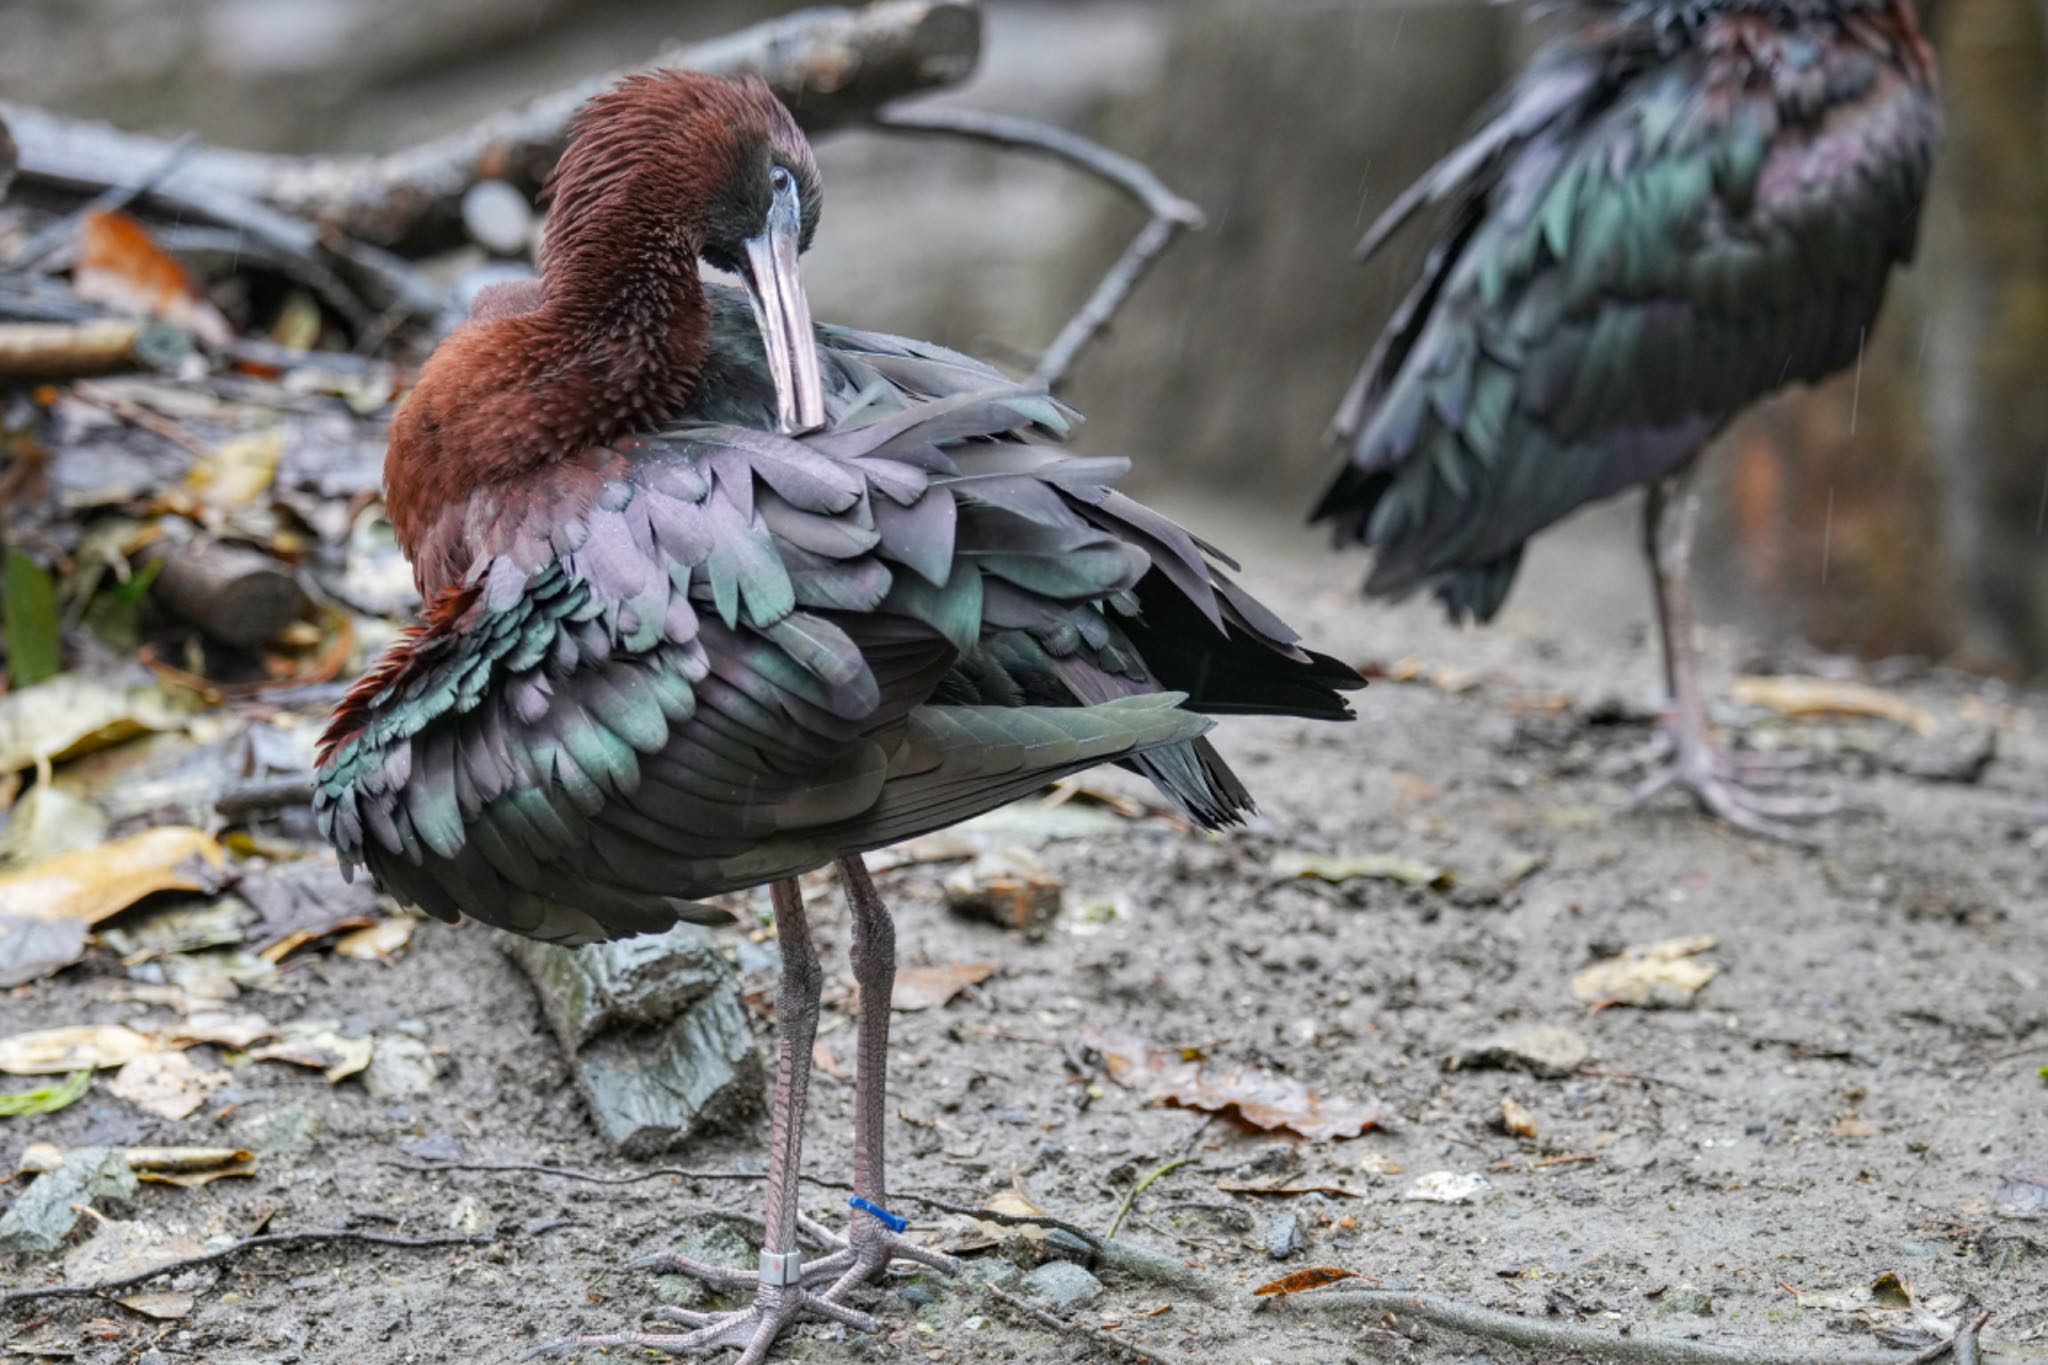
x,y
784,316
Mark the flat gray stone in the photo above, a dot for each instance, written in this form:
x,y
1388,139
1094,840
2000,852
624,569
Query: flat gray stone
x,y
44,1214
1063,1286
1285,1238
1547,1050
655,1030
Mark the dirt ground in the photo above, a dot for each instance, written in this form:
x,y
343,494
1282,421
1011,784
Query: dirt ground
x,y
1842,1103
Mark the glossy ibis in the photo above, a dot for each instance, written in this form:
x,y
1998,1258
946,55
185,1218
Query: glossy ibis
x,y
715,598
1681,207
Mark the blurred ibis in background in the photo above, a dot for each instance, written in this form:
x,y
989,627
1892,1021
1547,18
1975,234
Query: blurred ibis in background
x,y
715,597
1678,209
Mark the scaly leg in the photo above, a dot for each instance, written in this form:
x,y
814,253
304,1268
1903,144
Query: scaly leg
x,y
1692,762
780,1296
872,1243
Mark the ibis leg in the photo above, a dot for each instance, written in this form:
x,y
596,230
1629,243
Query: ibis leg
x,y
1690,760
780,1295
874,1236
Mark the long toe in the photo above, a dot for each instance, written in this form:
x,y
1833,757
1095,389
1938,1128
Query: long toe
x,y
1722,788
753,1330
874,1248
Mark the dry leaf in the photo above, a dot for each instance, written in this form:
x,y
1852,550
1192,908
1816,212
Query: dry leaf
x,y
1379,1163
70,715
94,884
1014,1201
193,1179
378,943
1854,1127
1288,1191
238,472
1664,975
1259,1098
51,1051
1294,862
241,1031
169,1084
122,267
166,1306
824,1062
320,1046
1829,697
1005,887
1315,1277
924,988
1516,1120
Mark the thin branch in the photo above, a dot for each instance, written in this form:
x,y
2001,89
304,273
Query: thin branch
x,y
267,1239
831,66
1170,214
1123,1210
1110,1341
1548,1337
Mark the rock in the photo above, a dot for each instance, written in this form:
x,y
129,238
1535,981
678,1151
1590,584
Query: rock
x,y
1285,1237
1003,1274
498,218
43,1215
279,1130
656,1032
401,1068
1686,1298
918,1293
1063,1286
1547,1050
717,1243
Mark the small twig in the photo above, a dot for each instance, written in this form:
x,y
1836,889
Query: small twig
x,y
267,1239
1170,213
1108,1340
1555,1339
1124,1209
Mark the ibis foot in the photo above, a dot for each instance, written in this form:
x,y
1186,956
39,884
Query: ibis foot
x,y
1749,767
866,1252
1722,788
729,1278
753,1330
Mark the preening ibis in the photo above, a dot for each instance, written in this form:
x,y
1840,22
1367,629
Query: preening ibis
x,y
1676,210
716,597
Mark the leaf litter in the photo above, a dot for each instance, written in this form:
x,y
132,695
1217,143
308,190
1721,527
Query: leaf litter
x,y
1256,1097
1663,975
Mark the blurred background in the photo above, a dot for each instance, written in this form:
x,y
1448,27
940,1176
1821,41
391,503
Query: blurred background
x,y
1896,511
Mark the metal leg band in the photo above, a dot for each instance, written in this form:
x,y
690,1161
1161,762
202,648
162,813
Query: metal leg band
x,y
782,1267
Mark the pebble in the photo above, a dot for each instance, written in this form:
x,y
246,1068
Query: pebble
x,y
1548,1050
1063,1285
1285,1238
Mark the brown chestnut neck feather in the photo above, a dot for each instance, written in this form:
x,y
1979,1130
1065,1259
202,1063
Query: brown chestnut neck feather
x,y
617,335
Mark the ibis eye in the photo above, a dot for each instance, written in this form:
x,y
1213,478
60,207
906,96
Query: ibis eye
x,y
781,180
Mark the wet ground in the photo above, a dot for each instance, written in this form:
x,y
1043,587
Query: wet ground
x,y
1824,1134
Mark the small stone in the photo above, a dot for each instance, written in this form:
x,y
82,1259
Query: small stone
x,y
918,1293
497,217
1546,1050
1515,1119
1008,888
401,1068
1062,1285
1285,1237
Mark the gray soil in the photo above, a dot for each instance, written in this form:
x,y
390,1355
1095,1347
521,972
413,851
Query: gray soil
x,y
1844,1100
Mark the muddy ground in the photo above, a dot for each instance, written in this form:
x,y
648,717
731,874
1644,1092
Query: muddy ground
x,y
1843,1101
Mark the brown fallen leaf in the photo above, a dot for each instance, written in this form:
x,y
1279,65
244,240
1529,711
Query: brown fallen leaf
x,y
121,266
1831,697
1257,1097
95,884
1287,1191
49,1052
1665,975
166,1306
1315,1277
192,1180
168,1084
823,1062
1515,1119
924,988
1005,887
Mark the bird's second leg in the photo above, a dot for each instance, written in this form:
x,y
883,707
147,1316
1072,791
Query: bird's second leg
x,y
780,1292
875,1235
1688,758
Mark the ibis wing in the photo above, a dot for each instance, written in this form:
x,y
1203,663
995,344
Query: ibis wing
x,y
689,665
1642,242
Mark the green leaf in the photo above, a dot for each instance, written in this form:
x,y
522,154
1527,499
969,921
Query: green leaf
x,y
46,1099
2044,1073
28,601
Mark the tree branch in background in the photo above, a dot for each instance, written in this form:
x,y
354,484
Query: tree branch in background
x,y
831,66
1170,213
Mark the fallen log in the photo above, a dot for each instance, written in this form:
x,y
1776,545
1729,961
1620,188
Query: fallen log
x,y
34,352
831,66
237,595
